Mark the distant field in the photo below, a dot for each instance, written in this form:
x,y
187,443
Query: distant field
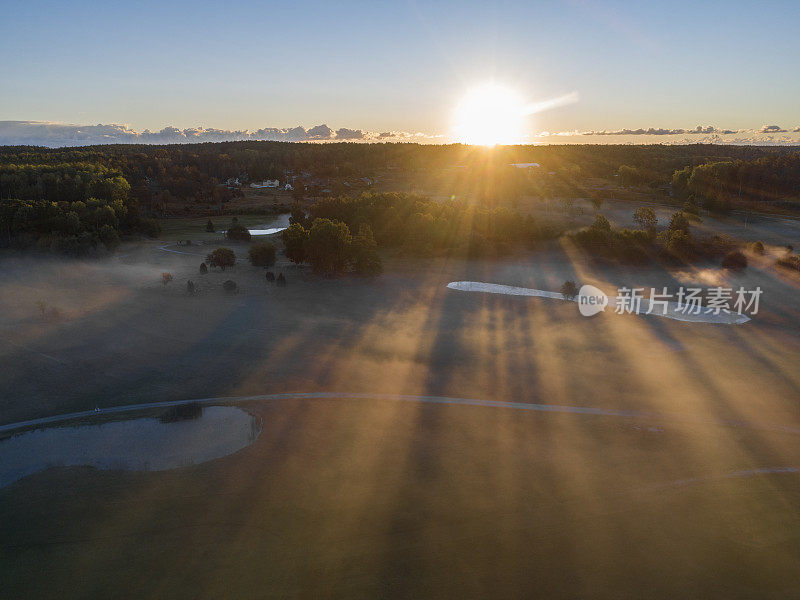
x,y
194,228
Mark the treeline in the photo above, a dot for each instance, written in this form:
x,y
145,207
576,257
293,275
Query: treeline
x,y
196,170
423,226
721,184
330,248
674,243
72,208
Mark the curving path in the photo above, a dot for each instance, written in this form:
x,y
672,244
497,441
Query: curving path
x,y
553,408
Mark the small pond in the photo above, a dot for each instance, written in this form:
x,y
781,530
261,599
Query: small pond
x,y
141,444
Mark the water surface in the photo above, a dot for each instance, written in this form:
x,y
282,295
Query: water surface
x,y
143,444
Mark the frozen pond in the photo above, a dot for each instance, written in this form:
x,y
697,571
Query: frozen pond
x,y
143,444
281,223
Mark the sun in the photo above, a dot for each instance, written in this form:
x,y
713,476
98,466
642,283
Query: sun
x,y
489,115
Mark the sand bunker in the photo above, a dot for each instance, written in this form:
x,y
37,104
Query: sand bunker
x,y
269,231
705,315
145,444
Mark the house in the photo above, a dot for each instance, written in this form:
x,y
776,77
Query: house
x,y
267,183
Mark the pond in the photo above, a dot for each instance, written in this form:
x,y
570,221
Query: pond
x,y
278,225
178,439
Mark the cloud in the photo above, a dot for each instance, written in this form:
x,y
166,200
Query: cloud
x,y
41,133
707,130
349,134
320,132
771,129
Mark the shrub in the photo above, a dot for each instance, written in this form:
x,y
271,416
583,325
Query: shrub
x,y
210,227
734,260
679,244
190,287
690,208
166,278
569,290
222,257
789,262
203,268
758,247
150,227
262,254
716,245
238,232
230,286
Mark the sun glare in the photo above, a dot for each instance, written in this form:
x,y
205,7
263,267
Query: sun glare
x,y
490,115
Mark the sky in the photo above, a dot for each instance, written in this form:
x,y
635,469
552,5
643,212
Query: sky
x,y
398,66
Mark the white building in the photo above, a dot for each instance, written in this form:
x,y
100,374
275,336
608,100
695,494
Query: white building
x,y
267,183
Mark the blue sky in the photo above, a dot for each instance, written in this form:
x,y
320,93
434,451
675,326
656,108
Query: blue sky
x,y
398,65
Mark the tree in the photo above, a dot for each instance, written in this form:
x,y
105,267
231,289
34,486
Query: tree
x,y
596,199
734,260
679,222
645,218
297,215
601,224
166,278
203,268
294,239
569,290
222,257
109,236
190,287
210,227
238,232
680,243
328,244
364,252
262,254
628,175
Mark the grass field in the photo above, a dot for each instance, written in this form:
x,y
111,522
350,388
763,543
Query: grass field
x,y
692,496
194,228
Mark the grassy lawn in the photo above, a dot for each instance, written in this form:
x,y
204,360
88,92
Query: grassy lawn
x,y
194,228
362,499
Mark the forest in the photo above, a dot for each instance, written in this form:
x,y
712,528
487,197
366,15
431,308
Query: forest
x,y
78,199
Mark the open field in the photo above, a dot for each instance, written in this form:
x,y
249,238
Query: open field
x,y
683,484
